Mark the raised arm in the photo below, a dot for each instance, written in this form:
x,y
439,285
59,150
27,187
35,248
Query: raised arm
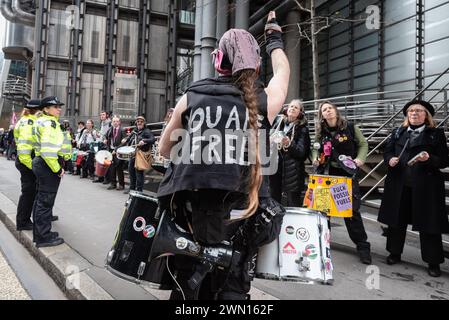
x,y
278,85
165,143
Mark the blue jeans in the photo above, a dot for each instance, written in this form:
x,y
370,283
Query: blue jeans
x,y
136,177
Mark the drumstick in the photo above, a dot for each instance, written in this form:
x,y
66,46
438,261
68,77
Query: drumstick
x,y
403,149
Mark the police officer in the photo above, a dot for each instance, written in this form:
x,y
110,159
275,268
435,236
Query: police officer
x,y
25,154
48,168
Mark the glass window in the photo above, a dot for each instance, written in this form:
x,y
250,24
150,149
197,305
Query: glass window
x,y
94,44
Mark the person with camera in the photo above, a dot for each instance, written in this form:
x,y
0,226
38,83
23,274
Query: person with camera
x,y
210,191
294,149
414,188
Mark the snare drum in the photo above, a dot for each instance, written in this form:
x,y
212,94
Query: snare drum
x,y
130,252
80,157
302,251
330,194
125,153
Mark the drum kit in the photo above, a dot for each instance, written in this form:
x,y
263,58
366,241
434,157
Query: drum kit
x,y
301,253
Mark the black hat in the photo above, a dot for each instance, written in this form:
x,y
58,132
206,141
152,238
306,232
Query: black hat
x,y
425,104
51,101
34,104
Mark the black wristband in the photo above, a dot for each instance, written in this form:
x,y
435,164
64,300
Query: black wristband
x,y
273,37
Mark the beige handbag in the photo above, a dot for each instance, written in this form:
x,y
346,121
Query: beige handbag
x,y
143,160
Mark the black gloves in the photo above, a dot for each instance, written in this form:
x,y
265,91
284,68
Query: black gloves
x,y
273,36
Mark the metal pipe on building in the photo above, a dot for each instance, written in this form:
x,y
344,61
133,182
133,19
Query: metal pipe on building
x,y
242,14
5,9
37,53
23,16
222,17
263,11
293,52
74,76
282,9
208,39
197,46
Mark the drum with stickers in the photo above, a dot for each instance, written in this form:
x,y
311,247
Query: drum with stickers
x,y
302,251
330,194
129,255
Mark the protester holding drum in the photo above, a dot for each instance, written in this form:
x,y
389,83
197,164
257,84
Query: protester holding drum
x,y
294,149
79,134
414,188
141,138
113,140
202,193
336,140
85,143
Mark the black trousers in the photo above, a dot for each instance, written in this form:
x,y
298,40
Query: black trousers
x,y
431,244
116,171
291,198
207,219
136,177
26,200
89,165
354,225
47,188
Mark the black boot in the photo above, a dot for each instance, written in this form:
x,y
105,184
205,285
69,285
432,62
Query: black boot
x,y
434,270
393,259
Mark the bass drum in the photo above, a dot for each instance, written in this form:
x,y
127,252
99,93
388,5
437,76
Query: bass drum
x,y
130,252
302,251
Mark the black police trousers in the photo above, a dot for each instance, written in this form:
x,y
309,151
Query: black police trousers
x,y
354,225
26,200
47,188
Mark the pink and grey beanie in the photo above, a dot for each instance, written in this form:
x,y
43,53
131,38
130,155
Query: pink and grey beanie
x,y
241,48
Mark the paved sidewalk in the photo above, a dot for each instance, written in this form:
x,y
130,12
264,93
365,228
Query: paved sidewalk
x,y
10,286
89,216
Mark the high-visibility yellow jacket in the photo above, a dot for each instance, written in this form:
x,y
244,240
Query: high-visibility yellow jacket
x,y
66,150
25,140
49,141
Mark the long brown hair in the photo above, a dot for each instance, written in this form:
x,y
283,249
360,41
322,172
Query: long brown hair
x,y
245,80
341,122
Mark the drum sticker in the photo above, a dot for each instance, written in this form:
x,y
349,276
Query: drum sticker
x,y
322,200
181,243
320,180
290,230
149,231
327,237
310,252
341,197
289,249
142,222
328,266
303,234
310,198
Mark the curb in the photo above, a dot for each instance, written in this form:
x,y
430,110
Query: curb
x,y
63,264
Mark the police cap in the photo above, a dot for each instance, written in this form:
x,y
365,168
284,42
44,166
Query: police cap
x,y
51,101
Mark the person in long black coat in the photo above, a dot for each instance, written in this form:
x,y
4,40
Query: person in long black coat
x,y
293,151
415,194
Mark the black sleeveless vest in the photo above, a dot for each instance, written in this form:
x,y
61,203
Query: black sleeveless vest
x,y
212,151
343,141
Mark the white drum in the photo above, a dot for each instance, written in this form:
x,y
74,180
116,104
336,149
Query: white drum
x,y
302,251
102,156
126,153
